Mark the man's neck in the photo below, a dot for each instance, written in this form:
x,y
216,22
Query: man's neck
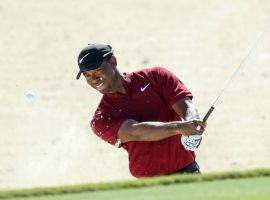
x,y
120,83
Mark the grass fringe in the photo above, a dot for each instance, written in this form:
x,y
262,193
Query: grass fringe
x,y
144,182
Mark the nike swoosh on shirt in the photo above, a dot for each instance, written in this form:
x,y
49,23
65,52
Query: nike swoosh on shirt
x,y
143,88
80,61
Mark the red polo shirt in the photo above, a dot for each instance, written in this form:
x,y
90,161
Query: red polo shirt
x,y
150,94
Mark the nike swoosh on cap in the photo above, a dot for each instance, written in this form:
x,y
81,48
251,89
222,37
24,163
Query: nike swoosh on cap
x,y
80,61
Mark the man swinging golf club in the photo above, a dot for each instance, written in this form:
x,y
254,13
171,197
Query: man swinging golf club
x,y
145,112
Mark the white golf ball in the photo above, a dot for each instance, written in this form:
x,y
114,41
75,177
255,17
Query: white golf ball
x,y
30,96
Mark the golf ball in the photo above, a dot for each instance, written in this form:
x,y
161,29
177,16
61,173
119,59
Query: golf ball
x,y
30,96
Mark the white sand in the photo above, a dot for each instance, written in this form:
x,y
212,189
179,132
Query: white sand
x,y
49,141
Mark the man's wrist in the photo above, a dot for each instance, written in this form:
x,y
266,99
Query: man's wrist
x,y
177,125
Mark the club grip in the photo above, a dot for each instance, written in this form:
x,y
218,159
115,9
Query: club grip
x,y
208,113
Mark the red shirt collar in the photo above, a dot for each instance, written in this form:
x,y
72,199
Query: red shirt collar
x,y
128,88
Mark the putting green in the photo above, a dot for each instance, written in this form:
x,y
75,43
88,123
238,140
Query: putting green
x,y
240,189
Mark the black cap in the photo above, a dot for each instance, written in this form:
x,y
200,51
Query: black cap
x,y
92,56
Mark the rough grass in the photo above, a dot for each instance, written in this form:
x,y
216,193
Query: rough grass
x,y
146,182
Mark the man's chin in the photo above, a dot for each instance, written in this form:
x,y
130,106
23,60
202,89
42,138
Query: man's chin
x,y
104,90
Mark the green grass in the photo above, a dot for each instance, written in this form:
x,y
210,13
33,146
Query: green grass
x,y
253,184
236,189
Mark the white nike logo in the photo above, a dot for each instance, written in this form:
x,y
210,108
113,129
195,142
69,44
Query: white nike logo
x,y
80,61
143,88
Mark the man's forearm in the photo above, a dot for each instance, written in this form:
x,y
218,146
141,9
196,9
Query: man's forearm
x,y
132,130
191,113
154,131
186,109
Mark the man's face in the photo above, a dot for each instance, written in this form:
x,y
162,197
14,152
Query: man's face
x,y
103,78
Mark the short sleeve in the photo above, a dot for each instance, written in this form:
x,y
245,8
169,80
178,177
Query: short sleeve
x,y
106,127
171,87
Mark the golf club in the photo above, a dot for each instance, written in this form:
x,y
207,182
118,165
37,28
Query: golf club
x,y
193,141
232,77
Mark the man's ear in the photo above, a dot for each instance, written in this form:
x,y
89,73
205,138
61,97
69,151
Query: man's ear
x,y
114,61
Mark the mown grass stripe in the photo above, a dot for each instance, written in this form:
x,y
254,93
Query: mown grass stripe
x,y
145,182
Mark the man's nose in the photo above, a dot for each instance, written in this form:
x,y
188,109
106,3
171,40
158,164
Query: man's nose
x,y
94,79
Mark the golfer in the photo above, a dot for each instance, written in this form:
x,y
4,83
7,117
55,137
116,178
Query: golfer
x,y
145,112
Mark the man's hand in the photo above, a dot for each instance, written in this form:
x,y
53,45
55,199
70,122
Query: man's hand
x,y
190,127
191,139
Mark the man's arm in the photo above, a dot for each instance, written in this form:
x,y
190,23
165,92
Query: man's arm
x,y
132,130
186,109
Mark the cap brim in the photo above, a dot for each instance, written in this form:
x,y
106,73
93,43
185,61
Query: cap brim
x,y
87,68
78,75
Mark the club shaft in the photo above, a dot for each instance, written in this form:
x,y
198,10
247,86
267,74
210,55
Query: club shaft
x,y
232,77
208,113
